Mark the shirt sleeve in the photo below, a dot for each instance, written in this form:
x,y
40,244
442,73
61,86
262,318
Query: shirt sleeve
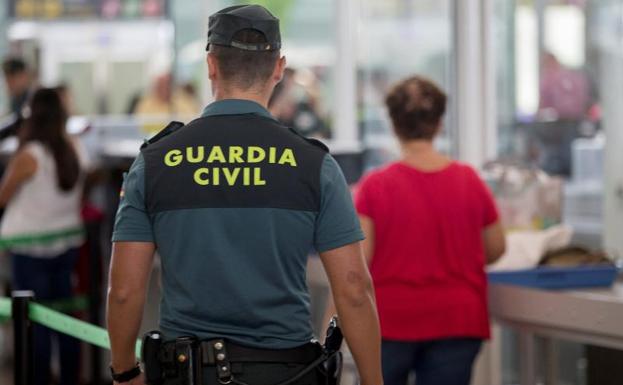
x,y
132,223
337,223
364,198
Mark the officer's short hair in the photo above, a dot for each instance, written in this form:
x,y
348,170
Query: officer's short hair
x,y
416,106
13,66
245,68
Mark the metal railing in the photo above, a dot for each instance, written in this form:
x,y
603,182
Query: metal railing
x,y
24,311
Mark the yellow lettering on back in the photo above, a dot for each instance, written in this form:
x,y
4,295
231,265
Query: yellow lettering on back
x,y
173,158
255,154
231,176
235,154
257,177
246,176
288,157
199,179
192,158
272,155
216,176
216,154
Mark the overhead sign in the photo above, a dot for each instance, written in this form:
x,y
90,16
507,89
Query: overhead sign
x,y
77,9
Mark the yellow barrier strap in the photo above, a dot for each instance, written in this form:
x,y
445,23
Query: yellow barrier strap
x,y
69,305
5,307
76,328
79,303
65,324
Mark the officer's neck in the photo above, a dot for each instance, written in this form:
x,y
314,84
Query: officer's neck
x,y
260,98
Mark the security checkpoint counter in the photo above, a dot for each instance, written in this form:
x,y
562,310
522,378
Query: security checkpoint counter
x,y
587,316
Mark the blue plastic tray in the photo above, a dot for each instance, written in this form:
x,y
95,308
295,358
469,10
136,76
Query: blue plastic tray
x,y
558,277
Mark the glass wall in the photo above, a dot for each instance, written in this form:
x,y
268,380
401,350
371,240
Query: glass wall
x,y
304,99
3,50
550,98
397,39
547,80
394,39
559,79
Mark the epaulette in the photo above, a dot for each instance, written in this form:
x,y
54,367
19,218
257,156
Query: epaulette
x,y
168,130
313,142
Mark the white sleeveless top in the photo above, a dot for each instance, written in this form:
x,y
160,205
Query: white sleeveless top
x,y
40,209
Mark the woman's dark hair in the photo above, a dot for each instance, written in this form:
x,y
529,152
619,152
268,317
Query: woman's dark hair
x,y
46,124
416,106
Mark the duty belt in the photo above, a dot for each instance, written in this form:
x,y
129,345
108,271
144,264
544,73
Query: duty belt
x,y
217,350
223,355
183,358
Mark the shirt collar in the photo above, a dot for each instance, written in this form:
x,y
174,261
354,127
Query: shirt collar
x,y
235,107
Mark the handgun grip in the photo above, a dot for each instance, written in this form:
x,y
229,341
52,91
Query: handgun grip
x,y
333,341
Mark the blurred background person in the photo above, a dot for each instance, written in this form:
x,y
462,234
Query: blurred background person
x,y
565,99
18,81
41,190
296,103
431,225
165,98
564,92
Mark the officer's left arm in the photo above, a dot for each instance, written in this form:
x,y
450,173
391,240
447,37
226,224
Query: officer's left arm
x,y
130,267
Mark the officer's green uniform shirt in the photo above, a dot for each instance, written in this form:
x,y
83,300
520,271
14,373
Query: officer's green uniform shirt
x,y
238,273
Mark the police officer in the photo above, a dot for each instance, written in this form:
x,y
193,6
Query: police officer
x,y
233,202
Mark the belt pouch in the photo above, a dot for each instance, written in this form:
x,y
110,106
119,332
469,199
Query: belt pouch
x,y
152,342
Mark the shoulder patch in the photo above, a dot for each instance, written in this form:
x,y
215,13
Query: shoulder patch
x,y
313,142
168,130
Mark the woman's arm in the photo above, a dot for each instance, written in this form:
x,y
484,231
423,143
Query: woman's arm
x,y
21,168
367,225
494,241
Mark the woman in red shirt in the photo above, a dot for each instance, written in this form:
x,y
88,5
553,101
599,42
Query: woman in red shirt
x,y
431,226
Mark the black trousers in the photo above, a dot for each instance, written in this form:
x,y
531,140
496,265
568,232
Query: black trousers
x,y
261,374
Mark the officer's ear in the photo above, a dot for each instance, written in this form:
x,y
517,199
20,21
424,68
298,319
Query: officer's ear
x,y
280,67
212,65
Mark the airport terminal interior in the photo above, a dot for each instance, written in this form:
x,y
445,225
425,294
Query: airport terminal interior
x,y
535,104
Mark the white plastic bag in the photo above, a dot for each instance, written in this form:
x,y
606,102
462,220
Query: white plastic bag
x,y
525,249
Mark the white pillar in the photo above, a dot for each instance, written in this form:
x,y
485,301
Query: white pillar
x,y
611,91
345,123
489,79
474,109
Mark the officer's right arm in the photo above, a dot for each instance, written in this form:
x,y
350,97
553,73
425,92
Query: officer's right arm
x,y
338,237
130,266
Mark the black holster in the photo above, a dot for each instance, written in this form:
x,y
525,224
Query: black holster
x,y
332,344
179,366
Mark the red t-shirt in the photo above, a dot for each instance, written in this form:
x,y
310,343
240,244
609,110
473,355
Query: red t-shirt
x,y
428,261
